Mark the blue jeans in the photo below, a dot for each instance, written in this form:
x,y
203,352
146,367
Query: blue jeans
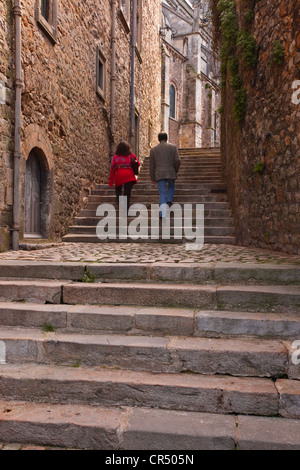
x,y
165,195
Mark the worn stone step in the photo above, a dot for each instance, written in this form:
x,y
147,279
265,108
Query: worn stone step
x,y
39,291
213,273
224,324
185,392
90,218
151,294
99,428
210,272
141,190
237,357
264,298
192,178
138,199
179,186
236,297
209,222
72,238
137,320
208,205
209,231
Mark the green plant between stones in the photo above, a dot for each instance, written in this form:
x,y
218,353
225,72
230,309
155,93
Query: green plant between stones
x,y
259,167
278,52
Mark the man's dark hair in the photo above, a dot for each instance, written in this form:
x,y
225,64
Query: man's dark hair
x,y
162,136
123,149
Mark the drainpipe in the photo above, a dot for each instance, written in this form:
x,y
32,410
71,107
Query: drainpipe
x,y
132,74
113,75
17,142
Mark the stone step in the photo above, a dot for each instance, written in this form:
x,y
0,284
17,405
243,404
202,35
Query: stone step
x,y
184,392
179,186
137,198
37,291
209,222
209,231
183,179
156,354
213,273
255,298
91,218
207,206
137,320
190,168
99,428
216,240
143,191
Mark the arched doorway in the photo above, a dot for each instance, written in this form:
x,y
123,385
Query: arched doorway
x,y
37,195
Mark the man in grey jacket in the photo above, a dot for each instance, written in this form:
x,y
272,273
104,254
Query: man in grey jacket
x,y
164,166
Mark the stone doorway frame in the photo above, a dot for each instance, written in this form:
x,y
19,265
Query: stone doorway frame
x,y
35,139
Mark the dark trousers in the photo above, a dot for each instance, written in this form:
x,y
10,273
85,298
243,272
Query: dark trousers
x,y
127,192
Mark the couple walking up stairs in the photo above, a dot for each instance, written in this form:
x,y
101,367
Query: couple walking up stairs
x,y
199,182
150,356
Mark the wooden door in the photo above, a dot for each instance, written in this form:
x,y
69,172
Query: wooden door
x,y
33,196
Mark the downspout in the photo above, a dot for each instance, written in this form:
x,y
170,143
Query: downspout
x,y
132,74
17,139
113,75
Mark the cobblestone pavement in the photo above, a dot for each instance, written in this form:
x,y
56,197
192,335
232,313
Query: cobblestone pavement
x,y
14,447
146,253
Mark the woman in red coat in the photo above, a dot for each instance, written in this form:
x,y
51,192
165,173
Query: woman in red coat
x,y
121,172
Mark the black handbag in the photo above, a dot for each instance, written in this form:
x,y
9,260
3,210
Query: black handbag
x,y
135,165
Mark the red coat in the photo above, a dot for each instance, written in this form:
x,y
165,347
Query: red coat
x,y
121,171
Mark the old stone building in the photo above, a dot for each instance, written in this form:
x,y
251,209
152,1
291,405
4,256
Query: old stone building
x,y
261,119
76,77
190,75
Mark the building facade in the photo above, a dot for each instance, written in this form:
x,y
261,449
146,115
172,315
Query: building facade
x,y
76,77
190,75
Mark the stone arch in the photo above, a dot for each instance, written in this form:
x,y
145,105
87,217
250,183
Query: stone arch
x,y
36,181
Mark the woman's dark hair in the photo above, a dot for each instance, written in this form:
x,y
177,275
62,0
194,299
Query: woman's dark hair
x,y
123,149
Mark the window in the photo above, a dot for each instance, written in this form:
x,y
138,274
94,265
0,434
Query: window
x,y
172,102
47,17
125,14
100,74
204,65
45,9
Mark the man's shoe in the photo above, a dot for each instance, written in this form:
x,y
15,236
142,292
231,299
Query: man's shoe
x,y
170,203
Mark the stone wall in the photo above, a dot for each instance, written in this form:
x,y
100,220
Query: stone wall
x,y
59,96
261,153
62,114
148,78
6,123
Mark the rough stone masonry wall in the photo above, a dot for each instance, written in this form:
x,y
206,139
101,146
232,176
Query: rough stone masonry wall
x,y
61,112
6,128
261,154
59,96
148,77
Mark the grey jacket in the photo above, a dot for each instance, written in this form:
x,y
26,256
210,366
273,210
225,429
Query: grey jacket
x,y
164,161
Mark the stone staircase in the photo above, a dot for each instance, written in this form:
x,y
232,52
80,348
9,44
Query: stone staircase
x,y
199,182
150,356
